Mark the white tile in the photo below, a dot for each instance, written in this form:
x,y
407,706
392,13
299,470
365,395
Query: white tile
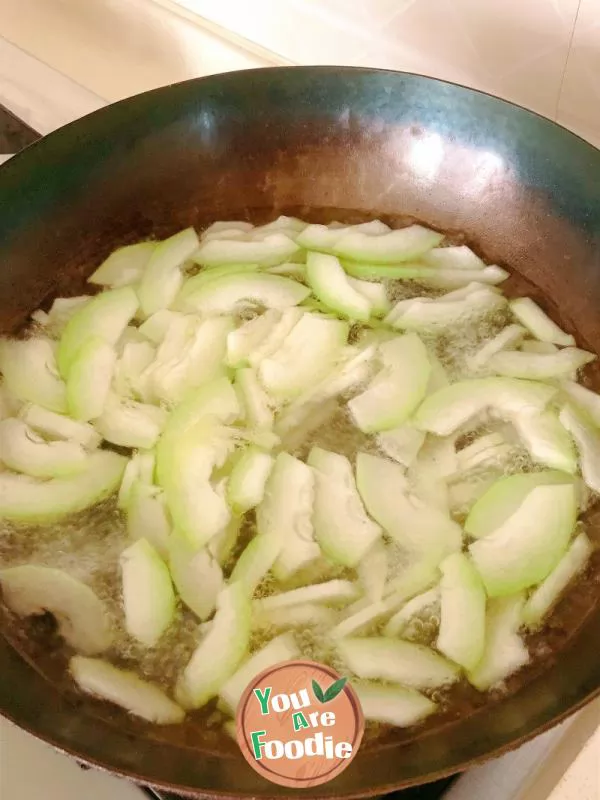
x,y
301,32
31,769
588,129
119,49
513,49
40,96
579,104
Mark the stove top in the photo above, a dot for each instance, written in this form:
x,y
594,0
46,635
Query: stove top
x,y
14,133
431,791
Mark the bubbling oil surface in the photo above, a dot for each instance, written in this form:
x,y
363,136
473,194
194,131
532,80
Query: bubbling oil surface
x,y
89,544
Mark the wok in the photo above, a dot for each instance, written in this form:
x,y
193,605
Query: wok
x,y
323,144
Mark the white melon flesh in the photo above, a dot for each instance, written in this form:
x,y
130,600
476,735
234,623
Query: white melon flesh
x,y
128,423
242,341
273,249
526,548
105,316
227,294
258,413
413,608
148,596
587,439
26,499
381,658
81,616
426,315
220,652
584,399
255,561
125,689
462,622
335,592
22,450
445,411
197,576
539,323
391,397
453,257
162,276
282,648
402,444
30,373
90,377
342,528
505,496
248,479
504,651
147,516
547,440
540,366
393,705
549,591
196,506
306,355
331,285
372,571
58,426
124,266
191,446
285,515
387,248
199,361
423,529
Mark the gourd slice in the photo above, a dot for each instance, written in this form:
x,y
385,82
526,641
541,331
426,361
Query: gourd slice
x,y
81,616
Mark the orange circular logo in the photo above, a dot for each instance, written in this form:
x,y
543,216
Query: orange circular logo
x,y
299,723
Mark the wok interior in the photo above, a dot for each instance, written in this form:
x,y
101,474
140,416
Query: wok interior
x,y
321,144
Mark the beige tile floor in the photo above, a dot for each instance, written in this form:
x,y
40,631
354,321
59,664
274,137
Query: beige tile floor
x,y
544,54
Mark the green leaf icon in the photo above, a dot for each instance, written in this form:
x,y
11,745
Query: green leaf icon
x,y
334,689
318,692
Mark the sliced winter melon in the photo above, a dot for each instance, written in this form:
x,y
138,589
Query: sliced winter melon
x,y
125,689
331,285
282,648
81,616
30,373
397,390
197,576
528,546
306,355
342,527
148,596
381,658
505,497
23,451
124,266
462,622
393,705
90,377
504,651
105,316
26,499
162,276
285,515
221,651
445,411
547,593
